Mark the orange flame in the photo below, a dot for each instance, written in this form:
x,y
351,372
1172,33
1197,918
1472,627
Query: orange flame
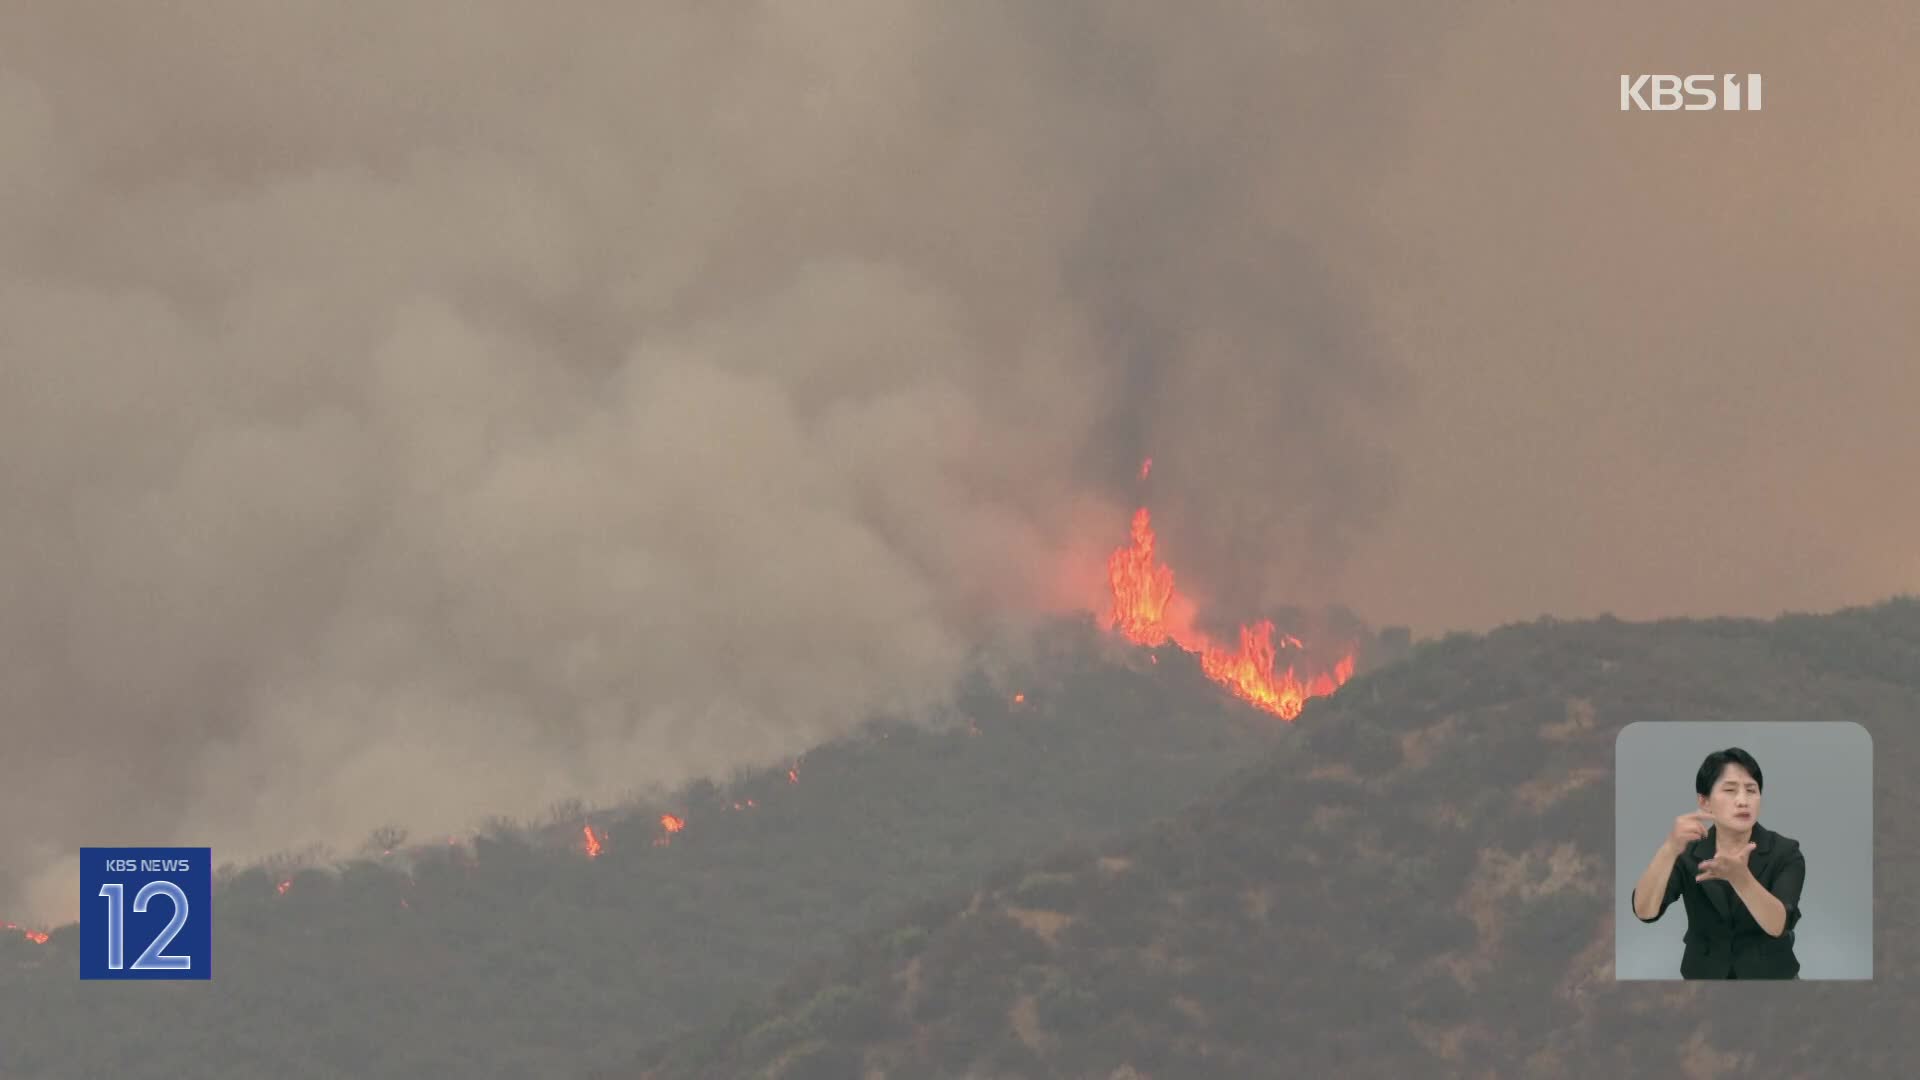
x,y
593,842
1146,467
1142,588
1148,610
284,886
793,776
35,936
668,825
1019,699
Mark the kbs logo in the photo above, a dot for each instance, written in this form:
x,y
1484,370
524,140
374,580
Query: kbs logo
x,y
1693,93
145,913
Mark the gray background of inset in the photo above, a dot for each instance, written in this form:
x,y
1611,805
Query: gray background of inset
x,y
1818,790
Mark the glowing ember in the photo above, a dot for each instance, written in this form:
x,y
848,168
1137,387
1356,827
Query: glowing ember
x,y
1146,467
35,936
593,842
793,776
1148,610
668,825
1019,699
284,886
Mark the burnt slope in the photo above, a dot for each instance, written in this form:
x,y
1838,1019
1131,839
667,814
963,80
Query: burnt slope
x,y
1422,888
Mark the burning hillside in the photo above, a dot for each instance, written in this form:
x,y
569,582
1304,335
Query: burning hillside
x,y
1222,941
1150,611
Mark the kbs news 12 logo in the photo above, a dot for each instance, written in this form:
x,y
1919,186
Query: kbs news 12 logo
x,y
145,911
1692,93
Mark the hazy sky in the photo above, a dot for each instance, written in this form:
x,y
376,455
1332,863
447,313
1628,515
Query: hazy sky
x,y
1665,362
412,413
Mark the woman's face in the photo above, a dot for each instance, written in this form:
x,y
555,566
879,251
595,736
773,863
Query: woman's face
x,y
1734,801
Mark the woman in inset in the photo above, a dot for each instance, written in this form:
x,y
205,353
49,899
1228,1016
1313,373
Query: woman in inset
x,y
1740,880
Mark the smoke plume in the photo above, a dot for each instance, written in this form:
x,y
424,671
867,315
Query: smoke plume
x,y
414,413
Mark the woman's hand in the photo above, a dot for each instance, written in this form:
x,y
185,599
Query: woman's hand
x,y
1730,867
1687,828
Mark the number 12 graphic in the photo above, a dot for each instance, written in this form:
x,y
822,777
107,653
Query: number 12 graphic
x,y
151,959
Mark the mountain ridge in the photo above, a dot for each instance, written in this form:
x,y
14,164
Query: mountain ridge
x,y
513,953
1422,887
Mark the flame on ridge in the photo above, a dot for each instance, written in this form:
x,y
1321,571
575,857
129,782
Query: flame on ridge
x,y
1150,611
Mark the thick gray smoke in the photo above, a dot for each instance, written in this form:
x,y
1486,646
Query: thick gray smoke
x,y
410,413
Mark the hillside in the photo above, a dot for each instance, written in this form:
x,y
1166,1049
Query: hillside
x,y
1422,887
512,954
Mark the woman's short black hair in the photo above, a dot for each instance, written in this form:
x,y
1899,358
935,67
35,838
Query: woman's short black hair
x,y
1717,762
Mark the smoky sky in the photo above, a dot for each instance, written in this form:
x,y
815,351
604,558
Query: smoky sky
x,y
409,414
1665,362
413,414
